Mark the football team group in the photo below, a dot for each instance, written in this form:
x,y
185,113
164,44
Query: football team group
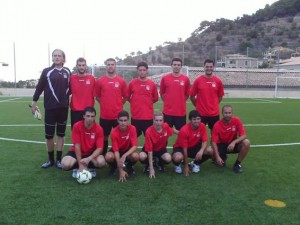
x,y
90,149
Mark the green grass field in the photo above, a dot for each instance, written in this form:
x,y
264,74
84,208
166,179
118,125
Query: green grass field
x,y
31,195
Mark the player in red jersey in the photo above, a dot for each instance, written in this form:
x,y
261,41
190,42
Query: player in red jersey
x,y
191,143
174,91
142,94
82,90
229,136
111,93
124,145
207,93
87,138
155,145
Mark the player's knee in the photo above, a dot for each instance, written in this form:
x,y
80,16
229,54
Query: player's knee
x,y
177,157
246,143
66,164
167,158
135,157
143,156
109,157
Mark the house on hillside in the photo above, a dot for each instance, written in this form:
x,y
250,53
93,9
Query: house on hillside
x,y
290,64
239,61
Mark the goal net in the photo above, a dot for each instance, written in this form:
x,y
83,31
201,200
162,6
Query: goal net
x,y
287,87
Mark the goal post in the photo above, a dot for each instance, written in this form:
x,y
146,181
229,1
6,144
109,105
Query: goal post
x,y
287,87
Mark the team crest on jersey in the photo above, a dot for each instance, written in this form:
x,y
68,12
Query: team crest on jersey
x,y
197,134
233,128
126,137
88,81
117,84
147,87
165,133
213,84
182,83
93,135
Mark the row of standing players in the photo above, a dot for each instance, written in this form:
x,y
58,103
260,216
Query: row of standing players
x,y
111,91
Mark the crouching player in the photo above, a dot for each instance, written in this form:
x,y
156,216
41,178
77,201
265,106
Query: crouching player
x,y
156,140
191,143
124,145
87,138
229,136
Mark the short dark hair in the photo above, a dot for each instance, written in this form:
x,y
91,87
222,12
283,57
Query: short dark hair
x,y
110,59
226,106
142,64
89,109
123,113
81,59
194,114
176,60
209,61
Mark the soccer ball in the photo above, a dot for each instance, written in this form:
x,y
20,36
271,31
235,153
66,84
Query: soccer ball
x,y
84,177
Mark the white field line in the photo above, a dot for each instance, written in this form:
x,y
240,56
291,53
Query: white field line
x,y
169,147
246,125
8,100
266,100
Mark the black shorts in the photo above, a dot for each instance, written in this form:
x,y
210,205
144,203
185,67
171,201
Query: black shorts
x,y
107,125
141,125
157,154
177,121
192,152
210,120
76,116
55,118
223,151
73,155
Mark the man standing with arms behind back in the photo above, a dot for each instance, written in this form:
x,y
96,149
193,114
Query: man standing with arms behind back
x,y
206,94
111,93
174,91
82,89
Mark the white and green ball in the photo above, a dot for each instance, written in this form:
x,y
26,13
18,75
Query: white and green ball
x,y
84,177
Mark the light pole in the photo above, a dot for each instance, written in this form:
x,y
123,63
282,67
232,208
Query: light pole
x,y
183,53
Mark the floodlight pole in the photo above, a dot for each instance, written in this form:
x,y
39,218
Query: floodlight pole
x,y
15,74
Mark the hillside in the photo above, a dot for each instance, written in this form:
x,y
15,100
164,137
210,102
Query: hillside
x,y
277,25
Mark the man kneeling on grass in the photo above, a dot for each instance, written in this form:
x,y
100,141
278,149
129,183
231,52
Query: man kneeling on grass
x,y
191,143
156,140
229,136
87,138
124,145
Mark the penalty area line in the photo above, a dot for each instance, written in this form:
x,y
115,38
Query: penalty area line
x,y
8,100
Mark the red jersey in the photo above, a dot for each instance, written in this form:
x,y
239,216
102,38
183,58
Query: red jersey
x,y
226,133
123,140
207,91
89,139
156,141
111,92
82,90
142,95
175,91
188,137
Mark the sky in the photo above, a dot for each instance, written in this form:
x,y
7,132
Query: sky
x,y
97,30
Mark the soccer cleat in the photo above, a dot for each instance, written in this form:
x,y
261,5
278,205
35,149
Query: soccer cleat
x,y
237,168
130,170
178,169
112,170
196,168
74,174
47,164
58,164
191,165
146,169
93,172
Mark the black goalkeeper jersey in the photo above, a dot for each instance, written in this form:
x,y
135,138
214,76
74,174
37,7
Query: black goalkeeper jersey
x,y
55,85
